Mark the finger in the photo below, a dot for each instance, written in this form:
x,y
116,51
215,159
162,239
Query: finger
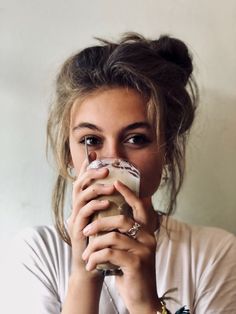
x,y
92,156
93,175
77,223
139,212
83,167
92,192
121,224
90,209
87,177
115,240
109,223
120,258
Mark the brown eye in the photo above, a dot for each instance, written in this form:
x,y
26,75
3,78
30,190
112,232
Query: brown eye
x,y
138,140
91,141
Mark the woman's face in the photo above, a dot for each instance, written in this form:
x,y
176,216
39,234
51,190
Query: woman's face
x,y
115,124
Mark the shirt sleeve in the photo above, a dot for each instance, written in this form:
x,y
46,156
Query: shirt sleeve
x,y
216,288
30,283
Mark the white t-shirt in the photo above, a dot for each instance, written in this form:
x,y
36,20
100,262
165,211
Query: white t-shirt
x,y
196,264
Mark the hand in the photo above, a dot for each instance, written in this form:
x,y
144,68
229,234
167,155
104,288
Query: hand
x,y
136,257
84,205
83,283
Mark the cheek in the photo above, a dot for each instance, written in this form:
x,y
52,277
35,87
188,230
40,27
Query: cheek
x,y
150,177
77,156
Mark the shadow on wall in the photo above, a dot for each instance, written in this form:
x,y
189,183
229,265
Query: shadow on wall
x,y
208,196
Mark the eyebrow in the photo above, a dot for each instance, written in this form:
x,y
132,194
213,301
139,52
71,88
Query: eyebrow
x,y
87,125
130,127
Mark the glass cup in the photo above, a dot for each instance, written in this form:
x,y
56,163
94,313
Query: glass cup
x,y
129,175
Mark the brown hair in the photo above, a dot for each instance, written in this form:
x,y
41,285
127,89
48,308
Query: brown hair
x,y
161,70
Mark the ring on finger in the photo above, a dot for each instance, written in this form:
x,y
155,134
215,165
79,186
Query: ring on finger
x,y
133,231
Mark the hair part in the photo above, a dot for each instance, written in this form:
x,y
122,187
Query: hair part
x,y
161,70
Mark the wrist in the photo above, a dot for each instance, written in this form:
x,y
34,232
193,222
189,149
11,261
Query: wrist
x,y
87,278
154,308
83,294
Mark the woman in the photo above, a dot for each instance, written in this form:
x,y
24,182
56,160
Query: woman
x,y
134,100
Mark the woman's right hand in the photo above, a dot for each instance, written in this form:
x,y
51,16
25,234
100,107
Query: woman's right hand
x,y
84,205
84,287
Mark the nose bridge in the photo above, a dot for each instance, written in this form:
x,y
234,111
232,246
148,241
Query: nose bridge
x,y
111,149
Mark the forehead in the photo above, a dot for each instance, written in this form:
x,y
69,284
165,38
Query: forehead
x,y
114,105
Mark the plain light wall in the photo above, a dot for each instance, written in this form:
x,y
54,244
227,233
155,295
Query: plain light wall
x,y
36,36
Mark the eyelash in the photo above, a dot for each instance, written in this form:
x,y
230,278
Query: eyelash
x,y
91,137
140,139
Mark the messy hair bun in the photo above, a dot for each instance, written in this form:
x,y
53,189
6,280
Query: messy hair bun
x,y
175,51
160,69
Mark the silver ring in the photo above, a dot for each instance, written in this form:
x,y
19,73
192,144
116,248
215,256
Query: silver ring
x,y
132,232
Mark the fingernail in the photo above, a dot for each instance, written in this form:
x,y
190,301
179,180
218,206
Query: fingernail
x,y
84,257
87,229
87,267
92,156
104,201
119,183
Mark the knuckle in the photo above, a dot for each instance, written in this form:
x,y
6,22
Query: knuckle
x,y
93,203
108,252
84,186
93,244
114,236
77,185
122,220
92,258
96,224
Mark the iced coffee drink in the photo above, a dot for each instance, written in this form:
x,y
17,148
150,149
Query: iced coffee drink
x,y
129,175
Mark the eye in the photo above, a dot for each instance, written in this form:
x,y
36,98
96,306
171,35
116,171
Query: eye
x,y
138,140
91,140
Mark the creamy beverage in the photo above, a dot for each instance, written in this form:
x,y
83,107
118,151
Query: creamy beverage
x,y
129,175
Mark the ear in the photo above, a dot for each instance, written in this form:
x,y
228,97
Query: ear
x,y
69,162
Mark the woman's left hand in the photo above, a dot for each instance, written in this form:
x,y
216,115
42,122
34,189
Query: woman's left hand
x,y
136,257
